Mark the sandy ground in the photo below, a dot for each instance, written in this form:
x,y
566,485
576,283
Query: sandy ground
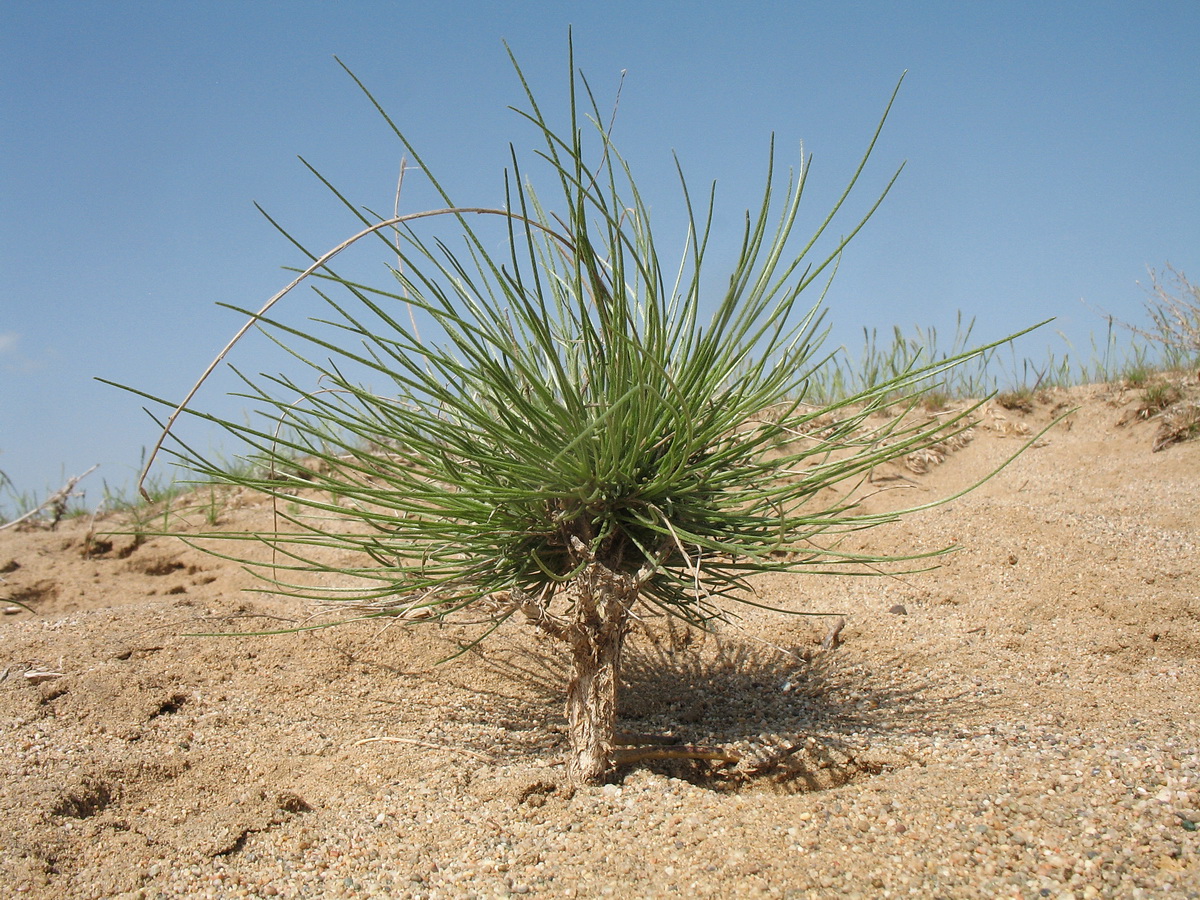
x,y
1021,722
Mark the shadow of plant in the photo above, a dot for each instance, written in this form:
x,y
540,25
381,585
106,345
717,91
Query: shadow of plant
x,y
724,710
790,720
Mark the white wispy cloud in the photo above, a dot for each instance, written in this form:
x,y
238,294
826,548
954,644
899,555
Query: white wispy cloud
x,y
13,357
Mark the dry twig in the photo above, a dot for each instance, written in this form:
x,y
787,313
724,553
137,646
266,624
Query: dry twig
x,y
58,500
426,744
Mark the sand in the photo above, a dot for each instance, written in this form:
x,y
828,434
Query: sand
x,y
1020,722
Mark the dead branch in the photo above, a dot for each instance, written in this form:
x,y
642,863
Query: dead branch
x,y
58,500
629,756
428,745
833,636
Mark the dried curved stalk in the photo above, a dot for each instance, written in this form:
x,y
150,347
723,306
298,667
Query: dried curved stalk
x,y
317,264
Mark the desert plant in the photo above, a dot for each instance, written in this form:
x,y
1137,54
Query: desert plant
x,y
1136,376
574,440
1173,305
880,362
1020,399
1157,398
6,488
1180,422
1174,308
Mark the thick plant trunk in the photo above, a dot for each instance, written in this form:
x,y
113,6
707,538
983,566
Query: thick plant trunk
x,y
596,636
592,706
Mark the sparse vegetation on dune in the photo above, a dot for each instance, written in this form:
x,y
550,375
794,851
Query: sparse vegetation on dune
x,y
580,445
1162,352
1172,304
1035,691
558,464
1137,367
564,555
571,432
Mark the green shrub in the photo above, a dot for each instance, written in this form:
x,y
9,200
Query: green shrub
x,y
581,433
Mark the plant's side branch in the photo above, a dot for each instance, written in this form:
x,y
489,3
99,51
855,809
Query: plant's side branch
x,y
58,500
536,613
652,567
834,636
426,744
631,755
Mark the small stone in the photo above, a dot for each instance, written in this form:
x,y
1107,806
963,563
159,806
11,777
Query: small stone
x,y
37,677
898,610
291,802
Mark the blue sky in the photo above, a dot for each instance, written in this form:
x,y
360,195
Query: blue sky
x,y
1050,153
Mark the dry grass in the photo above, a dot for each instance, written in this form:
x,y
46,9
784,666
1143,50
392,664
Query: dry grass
x,y
1181,422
